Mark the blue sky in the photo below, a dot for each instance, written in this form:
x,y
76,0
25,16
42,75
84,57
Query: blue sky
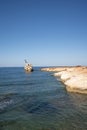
x,y
45,32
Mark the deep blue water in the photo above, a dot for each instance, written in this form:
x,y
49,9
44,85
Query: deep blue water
x,y
38,101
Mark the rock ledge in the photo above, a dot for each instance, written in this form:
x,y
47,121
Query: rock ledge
x,y
75,78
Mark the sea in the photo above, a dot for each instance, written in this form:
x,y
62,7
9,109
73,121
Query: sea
x,y
39,101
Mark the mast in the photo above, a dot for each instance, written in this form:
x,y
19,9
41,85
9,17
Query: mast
x,y
25,61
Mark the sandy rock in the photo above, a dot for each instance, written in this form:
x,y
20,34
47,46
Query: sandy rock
x,y
77,82
75,78
54,69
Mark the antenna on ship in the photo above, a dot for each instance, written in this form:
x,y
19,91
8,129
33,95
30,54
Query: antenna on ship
x,y
25,61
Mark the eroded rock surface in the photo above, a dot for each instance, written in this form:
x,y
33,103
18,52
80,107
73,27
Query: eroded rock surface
x,y
75,78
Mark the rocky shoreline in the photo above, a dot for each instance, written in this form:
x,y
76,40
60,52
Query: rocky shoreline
x,y
74,78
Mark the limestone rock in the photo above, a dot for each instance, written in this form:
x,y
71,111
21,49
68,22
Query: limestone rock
x,y
75,78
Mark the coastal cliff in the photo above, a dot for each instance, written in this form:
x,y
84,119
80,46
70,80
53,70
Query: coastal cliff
x,y
75,78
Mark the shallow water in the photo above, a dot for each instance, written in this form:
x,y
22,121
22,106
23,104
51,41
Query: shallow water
x,y
38,101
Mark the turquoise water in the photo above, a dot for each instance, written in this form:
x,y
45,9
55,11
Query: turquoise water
x,y
38,101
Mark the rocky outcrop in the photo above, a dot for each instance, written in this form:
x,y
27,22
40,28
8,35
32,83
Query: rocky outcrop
x,y
54,69
75,78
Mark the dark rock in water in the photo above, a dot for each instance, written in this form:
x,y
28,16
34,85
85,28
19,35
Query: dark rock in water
x,y
8,101
39,107
4,103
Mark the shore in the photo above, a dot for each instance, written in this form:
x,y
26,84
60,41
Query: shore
x,y
74,78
